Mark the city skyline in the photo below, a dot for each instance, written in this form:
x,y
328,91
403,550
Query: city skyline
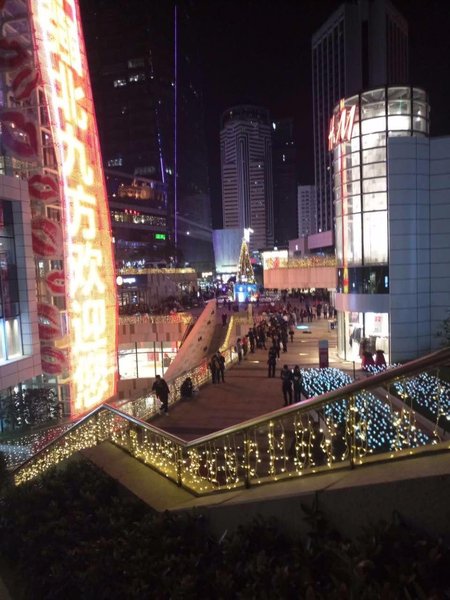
x,y
256,53
277,74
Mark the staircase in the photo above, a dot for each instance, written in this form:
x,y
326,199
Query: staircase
x,y
218,338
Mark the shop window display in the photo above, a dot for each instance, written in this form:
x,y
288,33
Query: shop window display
x,y
146,359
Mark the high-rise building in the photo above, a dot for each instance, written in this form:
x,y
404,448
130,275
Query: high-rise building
x,y
306,199
363,44
150,109
246,164
284,181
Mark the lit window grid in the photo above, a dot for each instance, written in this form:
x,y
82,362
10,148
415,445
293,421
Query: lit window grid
x,y
359,167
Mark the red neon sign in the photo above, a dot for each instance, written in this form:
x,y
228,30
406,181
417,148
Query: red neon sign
x,y
341,126
88,258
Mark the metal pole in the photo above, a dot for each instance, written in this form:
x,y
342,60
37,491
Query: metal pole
x,y
175,152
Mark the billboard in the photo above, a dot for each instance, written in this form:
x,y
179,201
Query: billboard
x,y
88,279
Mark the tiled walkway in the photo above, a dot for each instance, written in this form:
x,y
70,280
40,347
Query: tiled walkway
x,y
247,391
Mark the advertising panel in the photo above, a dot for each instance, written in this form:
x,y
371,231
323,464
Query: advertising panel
x,y
88,278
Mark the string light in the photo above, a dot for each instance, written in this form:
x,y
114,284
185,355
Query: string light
x,y
289,443
301,263
180,317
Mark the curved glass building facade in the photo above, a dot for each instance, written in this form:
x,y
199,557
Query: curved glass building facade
x,y
358,137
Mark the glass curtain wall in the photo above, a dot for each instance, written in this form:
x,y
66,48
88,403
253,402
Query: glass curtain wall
x,y
146,359
10,326
361,194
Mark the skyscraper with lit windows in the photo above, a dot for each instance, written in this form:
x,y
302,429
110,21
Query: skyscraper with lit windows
x,y
363,44
246,165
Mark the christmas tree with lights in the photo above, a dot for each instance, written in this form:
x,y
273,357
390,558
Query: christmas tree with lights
x,y
245,272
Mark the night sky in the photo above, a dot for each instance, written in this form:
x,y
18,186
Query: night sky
x,y
260,52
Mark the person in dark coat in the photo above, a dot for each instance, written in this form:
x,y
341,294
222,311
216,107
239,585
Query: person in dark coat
x,y
272,362
251,339
297,380
213,367
286,379
284,339
220,366
187,388
162,391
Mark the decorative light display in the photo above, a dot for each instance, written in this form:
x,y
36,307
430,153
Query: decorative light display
x,y
245,270
429,395
301,263
88,260
290,443
163,271
180,317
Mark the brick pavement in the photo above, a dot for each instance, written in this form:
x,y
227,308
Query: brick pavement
x,y
247,392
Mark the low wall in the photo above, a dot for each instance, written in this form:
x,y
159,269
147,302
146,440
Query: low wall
x,y
148,328
305,277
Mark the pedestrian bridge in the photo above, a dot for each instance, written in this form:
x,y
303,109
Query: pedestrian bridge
x,y
237,436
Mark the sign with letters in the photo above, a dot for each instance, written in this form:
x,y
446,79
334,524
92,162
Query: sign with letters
x,y
341,126
88,255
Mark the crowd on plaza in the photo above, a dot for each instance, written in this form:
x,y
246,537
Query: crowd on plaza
x,y
274,328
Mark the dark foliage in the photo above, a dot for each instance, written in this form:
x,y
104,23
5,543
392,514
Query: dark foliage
x,y
76,534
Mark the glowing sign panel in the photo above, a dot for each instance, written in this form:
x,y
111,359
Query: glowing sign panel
x,y
341,126
90,293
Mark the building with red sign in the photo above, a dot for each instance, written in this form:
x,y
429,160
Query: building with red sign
x,y
391,184
59,310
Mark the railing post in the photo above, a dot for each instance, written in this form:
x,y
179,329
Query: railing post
x,y
180,467
352,430
246,460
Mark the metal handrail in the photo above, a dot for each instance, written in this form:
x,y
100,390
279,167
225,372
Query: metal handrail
x,y
314,404
317,402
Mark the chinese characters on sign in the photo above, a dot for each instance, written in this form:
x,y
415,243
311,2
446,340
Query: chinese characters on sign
x,y
90,292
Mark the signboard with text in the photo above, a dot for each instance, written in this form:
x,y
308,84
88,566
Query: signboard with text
x,y
87,244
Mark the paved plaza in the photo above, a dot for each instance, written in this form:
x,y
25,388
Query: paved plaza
x,y
248,392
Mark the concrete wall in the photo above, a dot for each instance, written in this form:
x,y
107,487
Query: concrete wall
x,y
145,328
409,247
439,234
316,277
195,348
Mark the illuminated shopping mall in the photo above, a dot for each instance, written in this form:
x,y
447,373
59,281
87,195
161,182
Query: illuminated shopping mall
x,y
391,242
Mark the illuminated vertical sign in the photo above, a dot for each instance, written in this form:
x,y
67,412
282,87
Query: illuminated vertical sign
x,y
341,126
88,258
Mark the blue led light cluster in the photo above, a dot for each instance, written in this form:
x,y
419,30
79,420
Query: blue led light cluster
x,y
377,425
430,394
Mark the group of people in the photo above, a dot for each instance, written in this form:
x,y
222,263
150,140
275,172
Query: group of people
x,y
217,367
273,333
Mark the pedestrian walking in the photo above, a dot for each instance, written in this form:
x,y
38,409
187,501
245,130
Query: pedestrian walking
x,y
224,319
286,384
251,339
245,345
291,333
276,344
213,367
162,391
297,381
284,339
239,349
272,362
221,366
